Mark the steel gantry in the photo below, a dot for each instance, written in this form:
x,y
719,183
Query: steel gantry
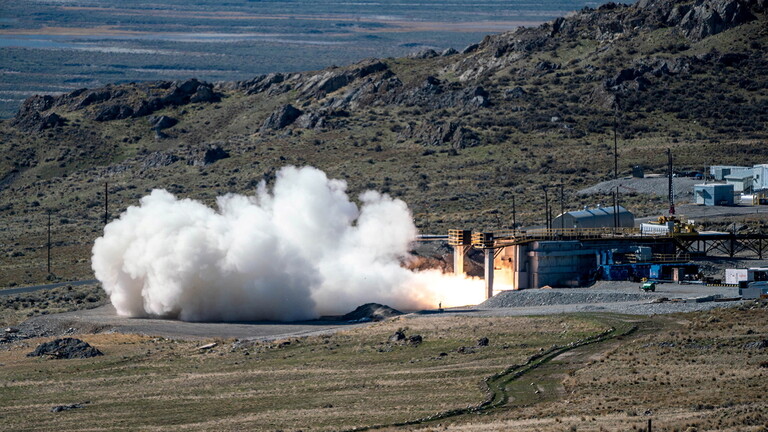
x,y
730,244
686,245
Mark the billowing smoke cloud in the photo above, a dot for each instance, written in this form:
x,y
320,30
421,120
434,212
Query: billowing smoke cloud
x,y
301,251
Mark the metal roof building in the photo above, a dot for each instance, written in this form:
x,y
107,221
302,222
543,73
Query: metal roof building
x,y
719,172
742,181
600,217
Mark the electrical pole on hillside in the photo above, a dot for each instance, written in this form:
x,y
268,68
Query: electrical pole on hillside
x,y
615,145
616,208
514,217
546,207
562,207
49,242
106,202
551,218
671,190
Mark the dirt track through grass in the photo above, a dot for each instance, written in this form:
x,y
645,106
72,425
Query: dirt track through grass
x,y
347,380
506,385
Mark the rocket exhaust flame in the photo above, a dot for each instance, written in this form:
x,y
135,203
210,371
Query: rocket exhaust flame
x,y
297,252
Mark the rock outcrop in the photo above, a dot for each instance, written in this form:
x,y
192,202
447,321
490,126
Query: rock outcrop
x,y
66,348
710,17
36,122
31,117
281,118
441,134
159,160
214,153
113,102
162,122
434,94
260,83
694,21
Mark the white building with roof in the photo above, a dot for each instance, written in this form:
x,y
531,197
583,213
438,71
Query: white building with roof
x,y
719,172
760,177
741,181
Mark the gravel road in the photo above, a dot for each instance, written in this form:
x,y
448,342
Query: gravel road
x,y
105,319
618,297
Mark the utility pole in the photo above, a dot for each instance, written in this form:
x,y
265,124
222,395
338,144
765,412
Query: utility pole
x,y
615,145
546,206
551,218
671,190
106,202
49,242
616,208
514,217
562,207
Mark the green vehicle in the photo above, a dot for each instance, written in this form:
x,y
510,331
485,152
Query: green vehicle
x,y
648,286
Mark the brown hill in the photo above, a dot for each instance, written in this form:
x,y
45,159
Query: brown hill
x,y
456,136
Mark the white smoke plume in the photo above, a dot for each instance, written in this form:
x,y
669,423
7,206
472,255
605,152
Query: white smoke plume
x,y
298,252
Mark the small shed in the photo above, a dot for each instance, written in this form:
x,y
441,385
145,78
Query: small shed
x,y
638,171
600,217
713,194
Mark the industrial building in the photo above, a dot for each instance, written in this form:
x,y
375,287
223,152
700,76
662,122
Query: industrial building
x,y
602,243
537,258
760,177
599,217
719,172
745,180
578,263
742,182
713,194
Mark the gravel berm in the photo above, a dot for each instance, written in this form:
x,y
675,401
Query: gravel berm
x,y
548,297
656,186
618,297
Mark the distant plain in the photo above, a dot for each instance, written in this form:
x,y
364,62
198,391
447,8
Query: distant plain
x,y
53,47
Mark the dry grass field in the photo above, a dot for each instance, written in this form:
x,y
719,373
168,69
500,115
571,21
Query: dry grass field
x,y
346,380
696,372
15,308
693,372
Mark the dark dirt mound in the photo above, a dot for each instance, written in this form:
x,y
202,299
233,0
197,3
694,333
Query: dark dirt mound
x,y
60,408
67,348
371,312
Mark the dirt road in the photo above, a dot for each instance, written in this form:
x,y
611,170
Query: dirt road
x,y
603,297
104,319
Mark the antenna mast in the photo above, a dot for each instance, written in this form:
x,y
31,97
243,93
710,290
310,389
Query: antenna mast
x,y
671,190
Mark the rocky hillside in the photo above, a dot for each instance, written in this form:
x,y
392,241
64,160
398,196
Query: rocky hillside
x,y
457,135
